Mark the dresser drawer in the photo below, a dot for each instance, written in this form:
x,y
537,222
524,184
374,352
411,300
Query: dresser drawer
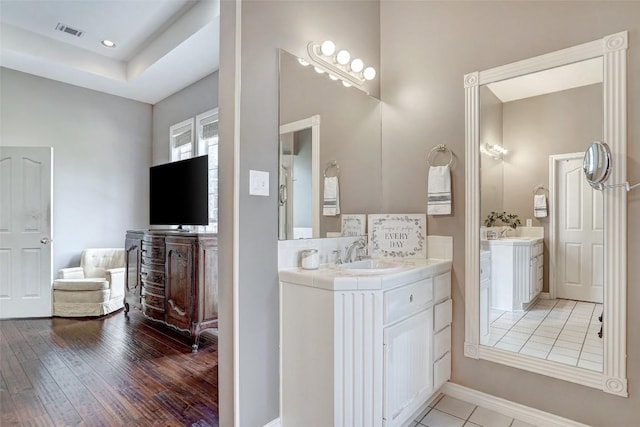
x,y
441,343
152,275
152,254
406,300
153,301
442,287
442,315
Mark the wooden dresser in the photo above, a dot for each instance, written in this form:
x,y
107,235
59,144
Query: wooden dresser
x,y
173,278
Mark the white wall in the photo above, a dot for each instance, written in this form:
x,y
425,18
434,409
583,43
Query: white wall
x,y
196,98
101,151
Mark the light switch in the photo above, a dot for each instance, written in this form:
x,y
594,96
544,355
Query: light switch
x,y
258,183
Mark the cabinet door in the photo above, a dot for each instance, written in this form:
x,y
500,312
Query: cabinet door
x,y
179,283
408,366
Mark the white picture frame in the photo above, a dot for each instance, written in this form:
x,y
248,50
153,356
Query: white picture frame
x,y
397,235
354,224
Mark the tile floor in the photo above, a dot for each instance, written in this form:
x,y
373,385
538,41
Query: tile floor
x,y
446,411
560,330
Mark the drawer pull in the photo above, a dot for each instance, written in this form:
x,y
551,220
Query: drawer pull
x,y
411,298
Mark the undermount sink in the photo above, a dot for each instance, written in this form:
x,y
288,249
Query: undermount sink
x,y
371,266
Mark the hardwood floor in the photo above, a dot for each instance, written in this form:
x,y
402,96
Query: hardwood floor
x,y
110,371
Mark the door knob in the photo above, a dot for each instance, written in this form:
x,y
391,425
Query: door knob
x,y
45,240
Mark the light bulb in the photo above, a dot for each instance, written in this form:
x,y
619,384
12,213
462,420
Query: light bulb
x,y
332,77
357,65
328,48
343,57
346,84
107,43
303,62
318,70
369,73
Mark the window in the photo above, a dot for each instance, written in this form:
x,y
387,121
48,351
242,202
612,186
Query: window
x,y
207,129
183,145
181,140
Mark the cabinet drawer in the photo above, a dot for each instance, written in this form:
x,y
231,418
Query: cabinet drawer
x,y
442,287
408,299
442,315
441,343
442,371
538,249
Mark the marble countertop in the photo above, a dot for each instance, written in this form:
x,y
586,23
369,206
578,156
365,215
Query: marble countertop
x,y
331,277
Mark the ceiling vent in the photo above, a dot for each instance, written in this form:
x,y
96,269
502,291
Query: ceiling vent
x,y
67,29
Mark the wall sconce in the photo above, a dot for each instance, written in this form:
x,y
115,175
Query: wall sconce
x,y
496,151
338,64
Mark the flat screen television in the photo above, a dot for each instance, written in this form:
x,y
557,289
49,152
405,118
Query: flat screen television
x,y
179,192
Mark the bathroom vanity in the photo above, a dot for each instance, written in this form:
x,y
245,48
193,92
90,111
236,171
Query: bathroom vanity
x,y
515,271
364,348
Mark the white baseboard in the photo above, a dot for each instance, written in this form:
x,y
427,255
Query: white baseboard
x,y
545,295
508,408
274,423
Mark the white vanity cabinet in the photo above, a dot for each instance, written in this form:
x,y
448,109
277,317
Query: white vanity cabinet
x,y
361,351
516,271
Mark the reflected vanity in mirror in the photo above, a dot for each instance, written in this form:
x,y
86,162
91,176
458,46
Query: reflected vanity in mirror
x,y
323,123
548,297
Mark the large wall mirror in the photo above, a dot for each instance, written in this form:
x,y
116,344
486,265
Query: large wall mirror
x,y
326,129
545,251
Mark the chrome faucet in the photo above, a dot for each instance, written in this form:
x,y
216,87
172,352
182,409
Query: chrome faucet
x,y
357,245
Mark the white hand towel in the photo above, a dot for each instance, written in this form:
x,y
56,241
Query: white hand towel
x,y
439,191
539,206
331,203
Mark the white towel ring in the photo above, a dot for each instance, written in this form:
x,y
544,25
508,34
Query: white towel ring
x,y
435,150
332,164
538,188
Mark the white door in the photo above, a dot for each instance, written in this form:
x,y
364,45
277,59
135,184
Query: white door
x,y
25,231
580,248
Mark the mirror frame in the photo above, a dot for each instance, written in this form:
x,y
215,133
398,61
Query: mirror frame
x,y
613,378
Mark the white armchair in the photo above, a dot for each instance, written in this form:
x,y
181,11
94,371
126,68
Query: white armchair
x,y
95,288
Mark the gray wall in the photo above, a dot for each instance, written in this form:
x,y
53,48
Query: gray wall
x,y
491,169
266,26
197,98
349,134
101,153
537,127
424,106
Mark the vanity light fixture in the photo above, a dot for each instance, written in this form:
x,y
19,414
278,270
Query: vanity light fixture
x,y
494,150
339,65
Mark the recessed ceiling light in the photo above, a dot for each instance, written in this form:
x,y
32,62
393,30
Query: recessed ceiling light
x,y
107,43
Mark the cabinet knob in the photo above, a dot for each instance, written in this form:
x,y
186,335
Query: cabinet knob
x,y
411,298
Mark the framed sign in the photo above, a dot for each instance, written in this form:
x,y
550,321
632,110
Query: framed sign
x,y
398,235
354,225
